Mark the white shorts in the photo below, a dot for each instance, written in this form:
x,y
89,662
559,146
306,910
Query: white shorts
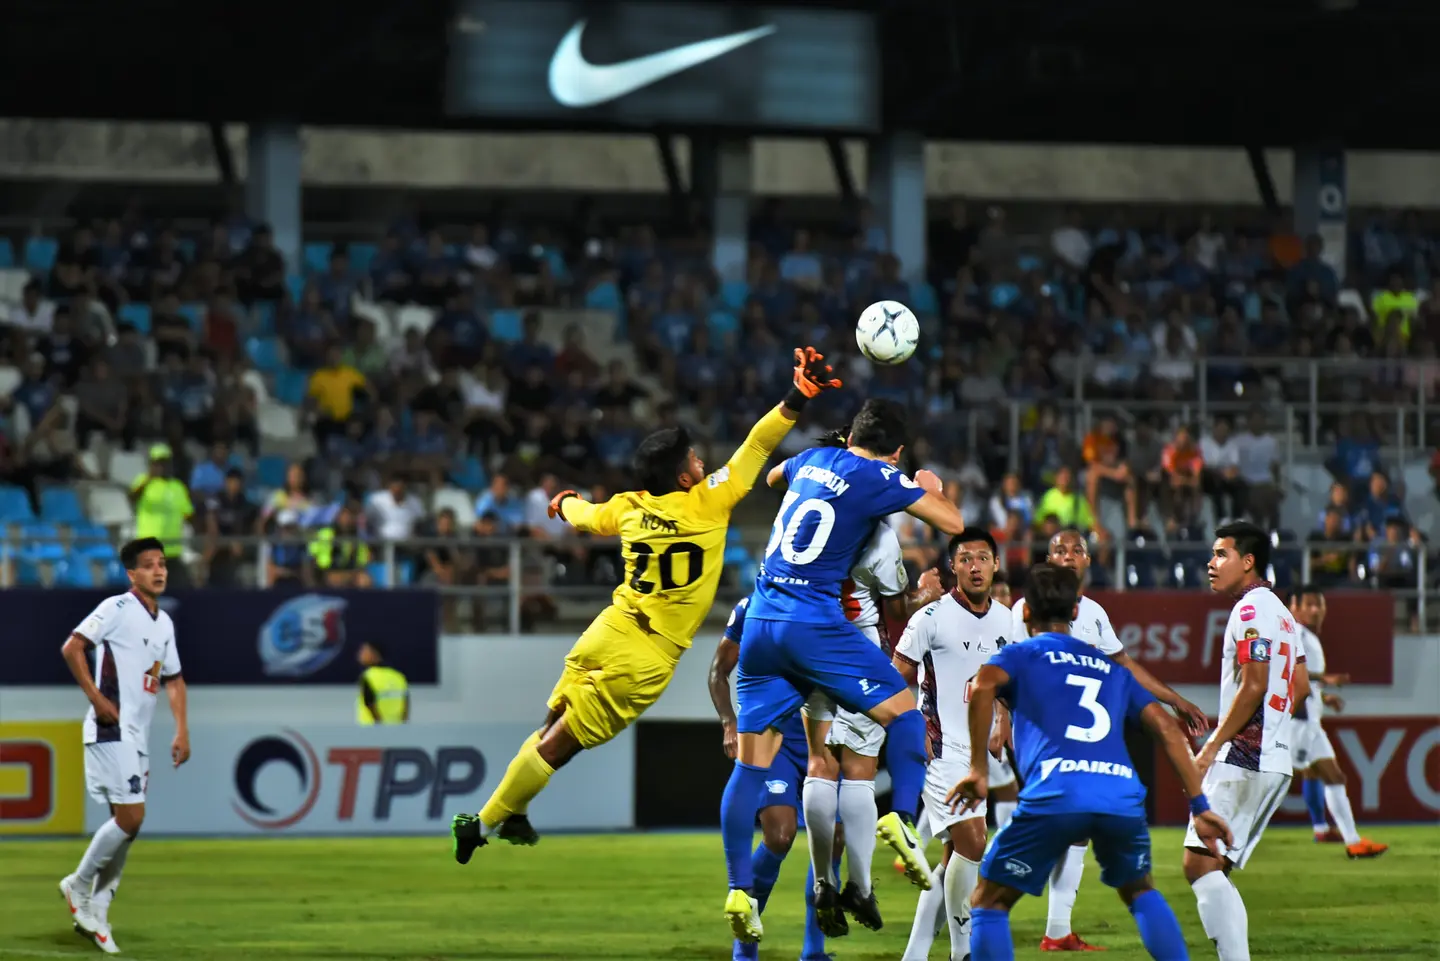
x,y
1246,800
943,774
116,772
1309,743
1001,773
857,733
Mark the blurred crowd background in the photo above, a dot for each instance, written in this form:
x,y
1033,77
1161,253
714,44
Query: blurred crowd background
x,y
399,408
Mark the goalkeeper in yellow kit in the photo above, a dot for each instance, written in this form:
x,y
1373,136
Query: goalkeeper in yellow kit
x,y
672,534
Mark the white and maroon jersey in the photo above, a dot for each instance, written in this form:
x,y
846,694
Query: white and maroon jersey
x,y
134,652
1314,707
1091,625
949,643
879,573
1261,630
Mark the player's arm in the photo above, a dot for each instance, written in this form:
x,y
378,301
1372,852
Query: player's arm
x,y
776,478
1209,825
934,508
76,651
902,607
727,655
1254,679
1302,686
179,698
603,520
1193,717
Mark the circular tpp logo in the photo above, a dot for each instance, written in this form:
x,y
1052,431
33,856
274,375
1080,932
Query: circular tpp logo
x,y
291,750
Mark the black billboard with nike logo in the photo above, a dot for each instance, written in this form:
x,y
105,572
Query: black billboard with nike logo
x,y
573,64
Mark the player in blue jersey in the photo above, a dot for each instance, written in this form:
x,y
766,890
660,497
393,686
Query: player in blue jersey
x,y
1068,705
798,648
780,811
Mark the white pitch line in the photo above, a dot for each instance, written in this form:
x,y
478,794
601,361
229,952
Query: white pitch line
x,y
37,953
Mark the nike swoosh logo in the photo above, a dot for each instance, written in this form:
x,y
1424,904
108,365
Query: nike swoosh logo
x,y
575,82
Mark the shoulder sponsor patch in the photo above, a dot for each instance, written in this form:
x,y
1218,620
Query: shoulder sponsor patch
x,y
719,477
1247,613
1251,633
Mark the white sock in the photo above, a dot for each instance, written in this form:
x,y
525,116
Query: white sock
x,y
1004,811
1222,913
109,878
858,814
960,878
103,846
1064,885
922,831
1338,801
821,800
929,917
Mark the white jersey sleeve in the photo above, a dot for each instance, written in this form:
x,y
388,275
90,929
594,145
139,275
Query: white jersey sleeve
x,y
1018,630
879,573
915,639
1092,625
1261,631
170,664
1315,664
102,621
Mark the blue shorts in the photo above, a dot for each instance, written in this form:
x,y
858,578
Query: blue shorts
x,y
787,774
782,663
1027,849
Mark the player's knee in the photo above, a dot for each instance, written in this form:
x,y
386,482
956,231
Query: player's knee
x,y
130,817
1199,863
779,837
1129,892
823,766
989,896
558,745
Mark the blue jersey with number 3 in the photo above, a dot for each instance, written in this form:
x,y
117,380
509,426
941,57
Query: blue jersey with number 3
x,y
1069,704
827,517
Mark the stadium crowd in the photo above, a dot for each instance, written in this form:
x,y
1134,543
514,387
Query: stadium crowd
x,y
165,342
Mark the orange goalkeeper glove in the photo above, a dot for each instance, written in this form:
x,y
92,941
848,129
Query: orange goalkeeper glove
x,y
554,509
812,374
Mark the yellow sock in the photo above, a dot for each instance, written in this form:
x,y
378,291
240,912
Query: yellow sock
x,y
526,777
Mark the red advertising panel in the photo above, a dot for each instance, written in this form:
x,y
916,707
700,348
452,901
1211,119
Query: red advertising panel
x,y
1391,764
1179,635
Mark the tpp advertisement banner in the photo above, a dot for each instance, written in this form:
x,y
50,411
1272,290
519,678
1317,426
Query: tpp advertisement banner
x,y
339,780
1180,635
42,778
240,637
569,63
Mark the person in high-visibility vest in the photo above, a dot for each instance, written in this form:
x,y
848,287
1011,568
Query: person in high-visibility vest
x,y
384,693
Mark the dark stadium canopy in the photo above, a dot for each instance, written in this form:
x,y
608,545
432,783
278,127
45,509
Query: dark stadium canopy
x,y
1272,73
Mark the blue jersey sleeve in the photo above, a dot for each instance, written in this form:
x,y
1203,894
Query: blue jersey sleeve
x,y
736,625
1011,660
788,469
1139,698
894,492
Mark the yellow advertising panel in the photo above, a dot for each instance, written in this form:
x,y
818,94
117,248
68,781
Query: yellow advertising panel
x,y
42,778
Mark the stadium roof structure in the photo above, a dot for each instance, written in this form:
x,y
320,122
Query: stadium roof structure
x,y
1242,72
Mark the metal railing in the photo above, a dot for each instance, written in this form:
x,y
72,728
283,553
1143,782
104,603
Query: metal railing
x,y
535,568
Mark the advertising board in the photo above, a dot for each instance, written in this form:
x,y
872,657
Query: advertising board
x,y
240,637
336,779
42,778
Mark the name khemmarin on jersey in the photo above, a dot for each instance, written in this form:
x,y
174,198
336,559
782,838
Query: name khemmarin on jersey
x,y
824,477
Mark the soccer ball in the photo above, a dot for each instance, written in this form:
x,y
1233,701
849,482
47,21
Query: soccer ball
x,y
887,332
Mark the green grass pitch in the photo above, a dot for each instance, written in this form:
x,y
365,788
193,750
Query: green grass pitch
x,y
646,896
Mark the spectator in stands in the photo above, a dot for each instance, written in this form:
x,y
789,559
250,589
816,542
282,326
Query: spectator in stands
x,y
37,390
485,396
1379,504
169,330
1013,537
411,367
1357,454
1183,465
1012,497
1173,369
337,286
504,503
1107,475
492,562
1220,477
188,393
1065,504
534,393
459,337
309,331
429,449
531,350
289,561
260,269
395,513
435,272
454,565
65,354
574,357
1313,276
236,417
1332,563
51,453
33,315
295,496
162,509
480,257
103,407
339,555
222,329
1258,456
802,266
570,448
1396,304
1394,560
228,516
209,476
332,395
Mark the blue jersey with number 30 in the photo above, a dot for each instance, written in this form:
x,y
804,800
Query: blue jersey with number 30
x,y
826,519
1069,703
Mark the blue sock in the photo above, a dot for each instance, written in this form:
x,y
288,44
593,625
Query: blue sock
x,y
990,935
765,868
738,807
814,944
905,750
1314,793
1158,927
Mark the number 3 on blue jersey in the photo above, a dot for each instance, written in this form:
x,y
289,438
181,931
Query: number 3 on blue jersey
x,y
790,526
1089,692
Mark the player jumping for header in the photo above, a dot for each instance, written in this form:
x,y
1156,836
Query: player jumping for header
x,y
672,535
133,643
797,643
1069,705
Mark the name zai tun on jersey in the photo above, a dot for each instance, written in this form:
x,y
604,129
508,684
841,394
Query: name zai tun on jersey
x,y
1102,664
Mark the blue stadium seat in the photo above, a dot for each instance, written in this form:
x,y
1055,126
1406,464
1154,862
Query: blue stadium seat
x,y
7,252
1028,263
137,316
295,283
1003,295
722,323
113,574
40,543
40,254
15,505
263,318
27,573
923,300
362,257
61,505
468,474
734,294
195,313
603,296
270,470
317,257
95,550
74,571
404,573
505,325
290,386
264,353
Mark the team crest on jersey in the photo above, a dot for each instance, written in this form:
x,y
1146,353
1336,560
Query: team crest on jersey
x,y
1018,868
1251,633
1259,650
777,787
1247,613
303,636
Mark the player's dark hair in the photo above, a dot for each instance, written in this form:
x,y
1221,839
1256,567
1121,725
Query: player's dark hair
x,y
377,647
835,438
660,458
968,535
1000,578
1249,539
130,553
1309,590
881,427
1051,594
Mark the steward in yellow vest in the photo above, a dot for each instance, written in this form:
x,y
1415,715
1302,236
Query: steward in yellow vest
x,y
384,693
